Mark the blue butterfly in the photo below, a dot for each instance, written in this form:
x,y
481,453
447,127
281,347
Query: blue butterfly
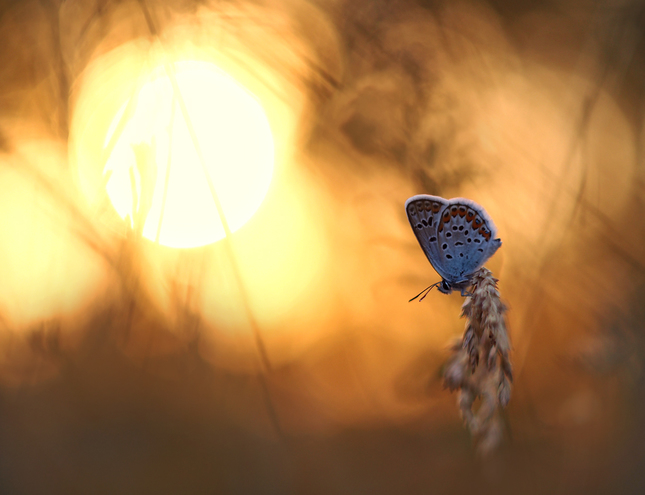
x,y
456,235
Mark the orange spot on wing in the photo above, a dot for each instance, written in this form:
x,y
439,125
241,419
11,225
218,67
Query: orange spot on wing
x,y
484,233
477,222
462,211
444,219
470,214
436,207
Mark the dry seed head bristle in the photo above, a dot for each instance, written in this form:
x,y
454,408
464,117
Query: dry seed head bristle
x,y
481,367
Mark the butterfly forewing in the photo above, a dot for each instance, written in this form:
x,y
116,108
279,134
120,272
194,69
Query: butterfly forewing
x,y
424,212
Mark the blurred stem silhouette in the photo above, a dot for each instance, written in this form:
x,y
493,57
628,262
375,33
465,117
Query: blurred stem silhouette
x,y
263,358
59,69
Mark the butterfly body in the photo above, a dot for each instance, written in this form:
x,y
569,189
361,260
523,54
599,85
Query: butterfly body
x,y
456,235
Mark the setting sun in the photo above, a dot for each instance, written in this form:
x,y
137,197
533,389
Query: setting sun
x,y
155,177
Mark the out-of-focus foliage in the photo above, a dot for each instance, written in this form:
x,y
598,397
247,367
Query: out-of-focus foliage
x,y
127,368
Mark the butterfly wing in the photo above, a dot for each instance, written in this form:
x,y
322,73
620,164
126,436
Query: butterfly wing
x,y
424,213
465,239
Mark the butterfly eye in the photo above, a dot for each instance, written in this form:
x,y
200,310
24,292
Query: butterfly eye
x,y
445,285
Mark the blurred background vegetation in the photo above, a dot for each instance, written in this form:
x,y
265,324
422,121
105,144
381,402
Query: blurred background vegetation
x,y
126,367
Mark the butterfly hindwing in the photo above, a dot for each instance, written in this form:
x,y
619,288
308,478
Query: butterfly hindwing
x,y
466,239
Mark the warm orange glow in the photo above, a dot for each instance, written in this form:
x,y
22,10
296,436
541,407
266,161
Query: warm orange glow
x,y
120,137
155,170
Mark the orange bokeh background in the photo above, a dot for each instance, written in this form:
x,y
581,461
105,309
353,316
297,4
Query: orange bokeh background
x,y
288,359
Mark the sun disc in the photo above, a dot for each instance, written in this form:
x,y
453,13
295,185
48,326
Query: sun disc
x,y
157,176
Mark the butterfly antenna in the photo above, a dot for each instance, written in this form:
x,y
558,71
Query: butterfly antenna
x,y
426,290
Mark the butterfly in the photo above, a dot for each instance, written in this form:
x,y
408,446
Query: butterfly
x,y
457,236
